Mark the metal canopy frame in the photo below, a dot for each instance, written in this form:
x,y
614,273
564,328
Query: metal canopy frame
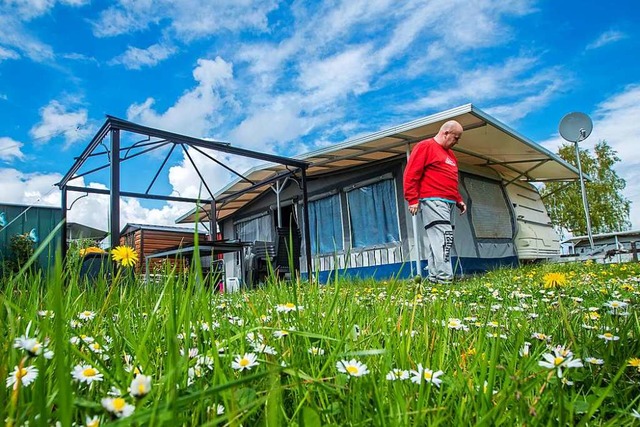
x,y
112,128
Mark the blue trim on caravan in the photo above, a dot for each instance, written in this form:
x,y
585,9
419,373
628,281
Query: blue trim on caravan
x,y
403,270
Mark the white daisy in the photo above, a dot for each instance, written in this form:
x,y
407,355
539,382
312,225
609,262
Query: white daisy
x,y
92,421
397,374
608,336
254,338
193,352
218,408
281,333
540,336
616,305
594,361
25,376
316,351
86,315
263,348
117,406
86,374
352,367
97,348
288,307
30,345
425,374
355,332
248,361
565,381
557,361
140,386
524,351
456,324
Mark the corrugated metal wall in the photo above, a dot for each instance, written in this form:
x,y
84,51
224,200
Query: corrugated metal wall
x,y
22,219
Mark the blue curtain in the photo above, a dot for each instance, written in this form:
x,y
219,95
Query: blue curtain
x,y
373,214
325,225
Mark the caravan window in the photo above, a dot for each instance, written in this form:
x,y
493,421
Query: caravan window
x,y
373,214
490,213
325,225
255,229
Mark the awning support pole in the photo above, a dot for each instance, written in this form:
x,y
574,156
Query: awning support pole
x,y
63,238
416,242
114,194
307,229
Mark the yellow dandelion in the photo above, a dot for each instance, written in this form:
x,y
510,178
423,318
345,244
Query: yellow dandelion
x,y
634,362
554,280
125,256
91,250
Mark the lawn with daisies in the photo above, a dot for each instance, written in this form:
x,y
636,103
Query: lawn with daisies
x,y
552,344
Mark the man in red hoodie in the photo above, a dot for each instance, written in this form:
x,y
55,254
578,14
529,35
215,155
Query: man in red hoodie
x,y
431,186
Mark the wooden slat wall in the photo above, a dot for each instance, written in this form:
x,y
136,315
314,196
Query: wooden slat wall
x,y
146,242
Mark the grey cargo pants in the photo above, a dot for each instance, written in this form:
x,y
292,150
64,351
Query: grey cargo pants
x,y
437,220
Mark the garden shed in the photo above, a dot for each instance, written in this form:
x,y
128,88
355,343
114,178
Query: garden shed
x,y
34,221
147,239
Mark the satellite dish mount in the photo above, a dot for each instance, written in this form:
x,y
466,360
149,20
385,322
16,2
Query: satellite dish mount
x,y
576,127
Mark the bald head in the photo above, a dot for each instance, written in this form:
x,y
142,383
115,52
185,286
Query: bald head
x,y
449,134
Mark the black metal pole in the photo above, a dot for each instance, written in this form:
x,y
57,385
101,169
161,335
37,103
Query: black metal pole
x,y
307,232
114,195
63,239
213,228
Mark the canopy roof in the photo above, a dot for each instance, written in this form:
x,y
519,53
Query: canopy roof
x,y
485,142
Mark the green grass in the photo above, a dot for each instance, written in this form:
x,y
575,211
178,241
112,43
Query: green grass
x,y
485,380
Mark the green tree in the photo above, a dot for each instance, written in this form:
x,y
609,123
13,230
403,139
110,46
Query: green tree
x,y
608,208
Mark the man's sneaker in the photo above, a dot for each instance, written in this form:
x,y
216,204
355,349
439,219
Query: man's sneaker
x,y
440,281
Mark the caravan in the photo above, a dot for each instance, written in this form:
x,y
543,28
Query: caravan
x,y
358,220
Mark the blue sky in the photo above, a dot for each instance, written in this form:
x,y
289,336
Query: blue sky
x,y
290,77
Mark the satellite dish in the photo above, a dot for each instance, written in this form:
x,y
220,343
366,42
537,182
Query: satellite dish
x,y
576,127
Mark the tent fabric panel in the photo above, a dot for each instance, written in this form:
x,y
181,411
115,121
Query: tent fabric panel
x,y
488,210
496,250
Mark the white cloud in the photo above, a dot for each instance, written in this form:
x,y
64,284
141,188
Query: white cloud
x,y
10,149
608,37
30,9
7,54
16,40
56,121
29,188
92,210
193,112
355,52
191,20
519,83
345,73
265,129
135,58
